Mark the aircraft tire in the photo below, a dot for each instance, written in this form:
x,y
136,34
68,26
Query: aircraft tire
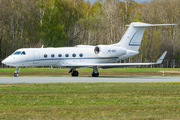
x,y
16,75
75,73
95,74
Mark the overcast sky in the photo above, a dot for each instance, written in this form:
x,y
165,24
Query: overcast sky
x,y
139,1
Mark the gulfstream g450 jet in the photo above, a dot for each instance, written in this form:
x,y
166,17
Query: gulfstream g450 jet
x,y
100,56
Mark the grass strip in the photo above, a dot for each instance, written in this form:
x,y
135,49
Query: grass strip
x,y
90,101
87,72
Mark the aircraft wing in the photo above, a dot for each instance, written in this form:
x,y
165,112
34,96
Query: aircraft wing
x,y
115,65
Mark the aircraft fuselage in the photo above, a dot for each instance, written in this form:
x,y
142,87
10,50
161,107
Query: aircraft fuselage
x,y
61,56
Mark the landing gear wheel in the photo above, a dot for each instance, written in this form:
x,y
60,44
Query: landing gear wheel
x,y
16,74
95,74
75,73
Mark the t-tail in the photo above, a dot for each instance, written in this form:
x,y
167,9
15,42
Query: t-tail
x,y
133,36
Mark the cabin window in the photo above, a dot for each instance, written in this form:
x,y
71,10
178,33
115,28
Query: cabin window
x,y
59,55
113,50
23,53
45,55
17,53
74,55
81,55
109,50
67,55
52,55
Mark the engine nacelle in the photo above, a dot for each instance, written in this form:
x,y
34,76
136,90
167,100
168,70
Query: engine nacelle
x,y
109,51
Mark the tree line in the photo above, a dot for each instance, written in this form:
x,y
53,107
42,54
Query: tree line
x,y
58,23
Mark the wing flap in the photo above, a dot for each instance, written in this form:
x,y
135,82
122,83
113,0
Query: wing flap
x,y
107,65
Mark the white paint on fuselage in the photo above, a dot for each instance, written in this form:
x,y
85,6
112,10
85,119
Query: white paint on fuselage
x,y
35,57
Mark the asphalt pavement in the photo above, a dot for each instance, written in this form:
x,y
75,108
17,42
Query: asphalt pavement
x,y
86,79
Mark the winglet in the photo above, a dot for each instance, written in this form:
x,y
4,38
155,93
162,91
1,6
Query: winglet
x,y
159,61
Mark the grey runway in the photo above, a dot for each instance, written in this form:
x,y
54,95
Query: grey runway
x,y
86,79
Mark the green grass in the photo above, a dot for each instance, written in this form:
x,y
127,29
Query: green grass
x,y
88,71
90,101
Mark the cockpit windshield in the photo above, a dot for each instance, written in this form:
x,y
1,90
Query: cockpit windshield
x,y
23,53
19,53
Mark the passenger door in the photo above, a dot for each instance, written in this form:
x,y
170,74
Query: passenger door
x,y
36,57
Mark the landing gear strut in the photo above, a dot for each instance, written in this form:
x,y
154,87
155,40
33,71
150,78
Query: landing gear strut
x,y
16,73
74,73
95,72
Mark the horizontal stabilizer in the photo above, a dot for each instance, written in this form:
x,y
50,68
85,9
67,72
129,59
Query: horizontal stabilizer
x,y
159,61
149,25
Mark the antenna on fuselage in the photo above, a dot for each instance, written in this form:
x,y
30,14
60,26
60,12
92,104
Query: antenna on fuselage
x,y
42,46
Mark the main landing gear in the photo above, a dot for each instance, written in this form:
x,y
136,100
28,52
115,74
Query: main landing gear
x,y
16,73
95,72
74,73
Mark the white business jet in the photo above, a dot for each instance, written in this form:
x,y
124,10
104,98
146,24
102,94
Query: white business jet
x,y
100,56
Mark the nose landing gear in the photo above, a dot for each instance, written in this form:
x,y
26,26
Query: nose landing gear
x,y
16,73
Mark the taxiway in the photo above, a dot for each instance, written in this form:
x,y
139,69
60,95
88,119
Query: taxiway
x,y
86,79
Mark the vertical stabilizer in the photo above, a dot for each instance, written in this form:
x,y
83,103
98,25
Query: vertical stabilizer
x,y
133,36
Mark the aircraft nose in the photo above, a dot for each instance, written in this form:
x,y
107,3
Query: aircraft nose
x,y
6,61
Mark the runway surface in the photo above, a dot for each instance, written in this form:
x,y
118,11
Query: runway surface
x,y
86,79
